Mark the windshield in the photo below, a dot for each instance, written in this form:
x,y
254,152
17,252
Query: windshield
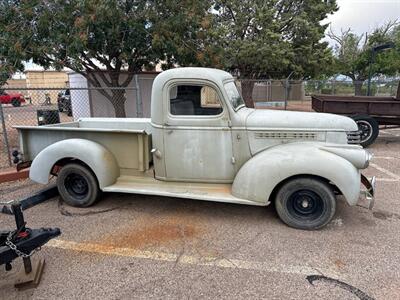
x,y
233,95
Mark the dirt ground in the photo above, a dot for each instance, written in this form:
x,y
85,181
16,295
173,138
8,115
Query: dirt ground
x,y
141,247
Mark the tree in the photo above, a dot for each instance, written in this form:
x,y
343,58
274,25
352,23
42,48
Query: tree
x,y
100,39
271,39
353,53
10,61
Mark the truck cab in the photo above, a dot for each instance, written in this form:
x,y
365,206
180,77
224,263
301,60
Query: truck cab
x,y
203,143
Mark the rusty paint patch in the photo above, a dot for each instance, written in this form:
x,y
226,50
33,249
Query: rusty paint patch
x,y
155,235
340,264
150,232
13,175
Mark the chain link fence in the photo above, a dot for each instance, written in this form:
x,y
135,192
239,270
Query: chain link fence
x,y
42,106
349,88
45,106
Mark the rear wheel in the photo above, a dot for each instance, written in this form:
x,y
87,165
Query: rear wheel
x,y
368,127
77,185
306,203
15,102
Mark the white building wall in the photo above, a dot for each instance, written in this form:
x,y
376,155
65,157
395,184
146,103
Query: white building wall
x,y
79,98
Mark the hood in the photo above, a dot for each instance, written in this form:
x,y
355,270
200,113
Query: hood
x,y
262,118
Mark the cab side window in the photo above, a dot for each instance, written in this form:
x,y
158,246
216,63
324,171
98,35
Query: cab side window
x,y
194,100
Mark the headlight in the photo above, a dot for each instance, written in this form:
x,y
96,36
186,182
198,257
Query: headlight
x,y
359,157
368,158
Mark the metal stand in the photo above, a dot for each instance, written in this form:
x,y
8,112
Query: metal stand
x,y
4,128
30,275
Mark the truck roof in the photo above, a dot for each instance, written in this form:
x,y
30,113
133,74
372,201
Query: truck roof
x,y
190,72
214,75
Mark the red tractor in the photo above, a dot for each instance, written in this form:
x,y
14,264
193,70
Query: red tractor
x,y
15,98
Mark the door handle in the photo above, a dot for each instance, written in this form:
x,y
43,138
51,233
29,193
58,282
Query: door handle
x,y
156,153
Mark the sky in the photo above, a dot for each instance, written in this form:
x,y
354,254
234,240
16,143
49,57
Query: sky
x,y
363,15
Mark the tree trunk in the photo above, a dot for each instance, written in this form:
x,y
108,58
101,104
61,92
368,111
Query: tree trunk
x,y
247,92
358,87
118,101
398,92
112,90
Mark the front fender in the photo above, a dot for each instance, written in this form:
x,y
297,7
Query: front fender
x,y
258,177
97,157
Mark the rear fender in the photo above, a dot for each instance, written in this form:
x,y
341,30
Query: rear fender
x,y
100,160
258,177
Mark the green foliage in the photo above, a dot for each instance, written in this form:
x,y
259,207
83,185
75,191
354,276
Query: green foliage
x,y
257,38
92,35
272,39
353,54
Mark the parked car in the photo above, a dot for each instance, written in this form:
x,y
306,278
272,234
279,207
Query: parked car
x,y
203,143
367,111
64,102
14,98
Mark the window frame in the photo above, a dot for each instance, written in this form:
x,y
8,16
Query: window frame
x,y
195,83
230,103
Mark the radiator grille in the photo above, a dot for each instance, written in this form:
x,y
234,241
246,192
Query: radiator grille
x,y
286,135
353,137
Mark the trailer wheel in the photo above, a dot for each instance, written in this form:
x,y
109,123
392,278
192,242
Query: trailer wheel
x,y
306,203
15,102
368,127
77,185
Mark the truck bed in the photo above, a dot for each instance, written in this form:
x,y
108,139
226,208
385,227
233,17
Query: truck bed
x,y
128,139
351,105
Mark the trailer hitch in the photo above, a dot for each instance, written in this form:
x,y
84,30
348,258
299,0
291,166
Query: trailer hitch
x,y
32,200
23,242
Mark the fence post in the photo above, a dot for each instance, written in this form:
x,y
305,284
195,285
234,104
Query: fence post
x,y
3,125
139,104
286,92
287,87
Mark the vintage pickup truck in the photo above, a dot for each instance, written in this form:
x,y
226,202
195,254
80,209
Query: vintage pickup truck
x,y
203,143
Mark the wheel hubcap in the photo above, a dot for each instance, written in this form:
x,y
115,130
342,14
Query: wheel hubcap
x,y
305,204
76,185
365,129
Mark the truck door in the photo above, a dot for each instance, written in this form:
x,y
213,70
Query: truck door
x,y
197,136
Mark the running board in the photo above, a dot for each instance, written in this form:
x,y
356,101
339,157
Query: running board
x,y
217,192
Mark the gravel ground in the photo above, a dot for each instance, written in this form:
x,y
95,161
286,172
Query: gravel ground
x,y
144,247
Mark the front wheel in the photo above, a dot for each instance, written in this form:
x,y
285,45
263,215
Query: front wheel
x,y
306,203
77,185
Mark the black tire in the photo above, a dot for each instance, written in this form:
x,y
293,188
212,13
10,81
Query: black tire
x,y
306,203
78,185
368,127
15,102
60,107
